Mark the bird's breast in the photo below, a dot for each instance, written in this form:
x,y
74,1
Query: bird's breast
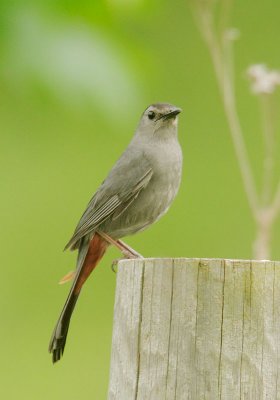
x,y
153,200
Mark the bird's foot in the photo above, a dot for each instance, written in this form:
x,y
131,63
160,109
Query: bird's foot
x,y
127,251
115,264
126,256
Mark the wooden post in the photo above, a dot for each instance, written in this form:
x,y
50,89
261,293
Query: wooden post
x,y
192,329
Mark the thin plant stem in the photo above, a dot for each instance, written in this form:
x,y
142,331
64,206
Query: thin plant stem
x,y
223,68
275,207
264,209
268,135
226,7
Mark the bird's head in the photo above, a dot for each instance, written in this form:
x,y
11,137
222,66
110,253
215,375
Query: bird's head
x,y
160,119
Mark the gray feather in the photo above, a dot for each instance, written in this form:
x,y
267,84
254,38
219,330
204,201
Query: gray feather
x,y
111,198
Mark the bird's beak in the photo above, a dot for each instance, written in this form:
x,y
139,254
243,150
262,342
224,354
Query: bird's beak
x,y
171,114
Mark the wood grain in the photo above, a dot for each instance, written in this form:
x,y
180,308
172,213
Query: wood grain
x,y
191,329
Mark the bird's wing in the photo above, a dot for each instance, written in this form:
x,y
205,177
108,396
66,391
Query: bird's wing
x,y
121,187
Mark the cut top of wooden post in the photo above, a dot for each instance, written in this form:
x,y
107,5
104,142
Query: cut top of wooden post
x,y
191,329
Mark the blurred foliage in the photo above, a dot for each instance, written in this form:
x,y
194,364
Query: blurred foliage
x,y
74,79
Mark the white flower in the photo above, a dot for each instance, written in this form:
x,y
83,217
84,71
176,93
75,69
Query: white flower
x,y
263,80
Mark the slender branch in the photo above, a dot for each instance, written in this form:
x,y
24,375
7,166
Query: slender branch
x,y
268,134
219,43
204,21
223,68
227,89
226,7
240,149
276,202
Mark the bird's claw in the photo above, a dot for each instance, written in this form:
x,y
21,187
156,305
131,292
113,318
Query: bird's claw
x,y
114,265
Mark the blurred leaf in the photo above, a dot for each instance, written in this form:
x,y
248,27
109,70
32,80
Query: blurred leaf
x,y
76,63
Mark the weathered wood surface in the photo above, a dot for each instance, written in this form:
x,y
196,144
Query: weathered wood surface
x,y
193,329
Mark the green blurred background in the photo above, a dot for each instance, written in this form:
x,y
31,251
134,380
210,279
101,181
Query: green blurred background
x,y
74,78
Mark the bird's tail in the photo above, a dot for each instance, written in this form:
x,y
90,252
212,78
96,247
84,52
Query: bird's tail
x,y
89,256
58,339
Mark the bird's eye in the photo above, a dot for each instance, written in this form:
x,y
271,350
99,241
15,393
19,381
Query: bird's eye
x,y
151,115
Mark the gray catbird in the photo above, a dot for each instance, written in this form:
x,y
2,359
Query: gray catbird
x,y
136,193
